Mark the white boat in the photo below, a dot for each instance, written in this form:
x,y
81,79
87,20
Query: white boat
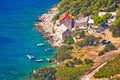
x,y
40,44
39,60
48,49
30,56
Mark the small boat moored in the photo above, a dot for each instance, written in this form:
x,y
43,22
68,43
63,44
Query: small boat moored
x,y
30,56
40,44
39,60
48,49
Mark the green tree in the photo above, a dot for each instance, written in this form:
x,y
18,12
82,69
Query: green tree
x,y
70,64
82,34
109,47
116,28
80,43
88,61
88,41
86,6
77,61
91,41
68,40
45,73
63,53
105,17
99,20
55,17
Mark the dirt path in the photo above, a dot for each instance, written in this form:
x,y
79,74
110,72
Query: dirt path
x,y
107,56
87,77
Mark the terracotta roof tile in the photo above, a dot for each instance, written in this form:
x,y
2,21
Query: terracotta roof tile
x,y
65,15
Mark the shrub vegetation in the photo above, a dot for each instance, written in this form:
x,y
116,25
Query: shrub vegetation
x,y
68,40
45,73
71,73
88,41
64,52
87,6
107,48
110,69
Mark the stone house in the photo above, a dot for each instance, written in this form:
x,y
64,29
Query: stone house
x,y
67,20
62,31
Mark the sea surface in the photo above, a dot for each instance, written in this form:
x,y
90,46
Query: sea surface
x,y
18,37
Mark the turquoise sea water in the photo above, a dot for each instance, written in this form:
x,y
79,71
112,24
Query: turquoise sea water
x,y
19,38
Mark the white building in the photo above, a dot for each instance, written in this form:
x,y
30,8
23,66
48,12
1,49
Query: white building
x,y
103,13
90,21
81,23
62,31
112,18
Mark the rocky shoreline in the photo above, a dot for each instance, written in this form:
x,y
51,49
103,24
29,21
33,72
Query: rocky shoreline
x,y
45,26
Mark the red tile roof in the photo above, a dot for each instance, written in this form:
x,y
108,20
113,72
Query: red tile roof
x,y
65,15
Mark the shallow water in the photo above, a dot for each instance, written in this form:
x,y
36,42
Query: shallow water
x,y
19,38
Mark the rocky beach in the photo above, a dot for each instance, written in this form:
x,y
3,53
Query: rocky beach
x,y
45,25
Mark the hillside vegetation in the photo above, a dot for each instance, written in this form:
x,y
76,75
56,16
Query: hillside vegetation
x,y
116,26
87,6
